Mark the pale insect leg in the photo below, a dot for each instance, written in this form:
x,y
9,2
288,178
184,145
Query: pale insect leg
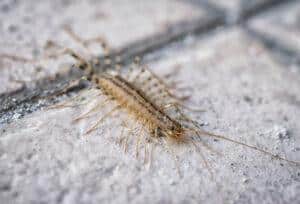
x,y
126,143
164,87
184,117
96,107
99,40
156,77
197,148
171,82
130,133
135,66
121,138
156,136
82,62
17,58
171,102
137,75
159,90
138,142
72,84
177,105
187,119
63,51
86,42
69,103
174,157
49,44
150,155
103,118
145,152
124,139
151,144
118,64
173,73
209,148
146,146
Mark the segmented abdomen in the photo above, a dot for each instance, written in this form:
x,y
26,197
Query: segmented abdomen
x,y
135,102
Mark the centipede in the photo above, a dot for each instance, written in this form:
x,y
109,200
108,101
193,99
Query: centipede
x,y
147,99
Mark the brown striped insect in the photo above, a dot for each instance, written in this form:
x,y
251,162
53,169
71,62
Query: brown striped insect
x,y
148,99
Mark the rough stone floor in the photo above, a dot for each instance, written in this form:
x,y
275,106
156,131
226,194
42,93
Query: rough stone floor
x,y
239,59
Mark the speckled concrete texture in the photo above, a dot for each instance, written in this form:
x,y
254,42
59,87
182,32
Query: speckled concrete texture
x,y
247,94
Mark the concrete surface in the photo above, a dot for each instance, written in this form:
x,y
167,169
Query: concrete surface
x,y
46,158
247,95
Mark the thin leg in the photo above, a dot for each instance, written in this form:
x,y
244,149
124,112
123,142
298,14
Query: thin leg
x,y
156,77
118,65
173,72
203,159
174,157
16,58
99,40
177,105
145,152
137,146
130,133
121,140
164,87
87,114
126,144
209,148
63,51
71,85
164,92
138,75
102,119
135,65
185,118
124,138
67,104
150,156
82,63
86,43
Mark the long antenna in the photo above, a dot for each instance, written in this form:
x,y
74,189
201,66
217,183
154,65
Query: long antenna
x,y
202,132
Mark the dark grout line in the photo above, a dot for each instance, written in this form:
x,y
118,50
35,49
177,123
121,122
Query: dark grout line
x,y
249,10
283,54
29,99
208,6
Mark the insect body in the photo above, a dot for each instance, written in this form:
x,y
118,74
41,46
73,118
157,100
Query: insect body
x,y
140,106
150,102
